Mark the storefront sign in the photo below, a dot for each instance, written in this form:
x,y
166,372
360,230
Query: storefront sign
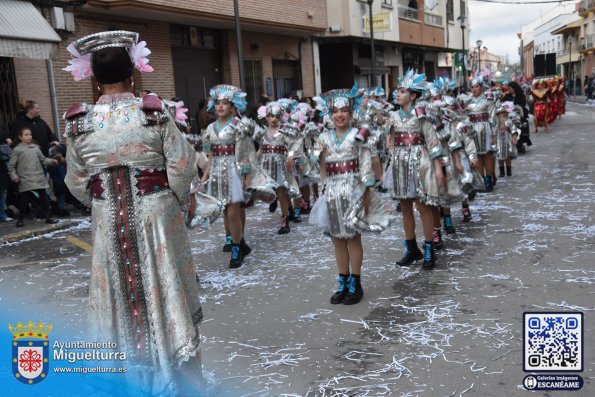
x,y
382,22
445,59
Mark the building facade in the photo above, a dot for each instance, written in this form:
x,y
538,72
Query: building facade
x,y
422,35
194,47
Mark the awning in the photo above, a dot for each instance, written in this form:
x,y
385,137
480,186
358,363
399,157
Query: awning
x,y
568,27
24,32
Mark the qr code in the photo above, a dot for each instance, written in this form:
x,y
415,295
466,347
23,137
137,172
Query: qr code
x,y
553,341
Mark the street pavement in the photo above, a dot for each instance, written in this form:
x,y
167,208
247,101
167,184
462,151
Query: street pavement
x,y
269,329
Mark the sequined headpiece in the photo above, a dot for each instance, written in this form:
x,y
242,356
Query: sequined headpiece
x,y
81,50
482,79
442,85
341,98
374,91
505,107
232,93
271,109
413,81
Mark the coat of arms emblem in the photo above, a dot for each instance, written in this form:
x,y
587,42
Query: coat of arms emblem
x,y
30,351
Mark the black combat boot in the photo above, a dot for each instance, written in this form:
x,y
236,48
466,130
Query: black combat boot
x,y
227,246
449,228
342,290
245,248
412,253
509,171
437,239
502,175
284,229
355,292
236,257
466,213
273,206
297,215
429,256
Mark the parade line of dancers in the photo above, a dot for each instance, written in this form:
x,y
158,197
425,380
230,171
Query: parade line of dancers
x,y
144,180
433,150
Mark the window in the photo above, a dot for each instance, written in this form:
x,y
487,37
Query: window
x,y
193,37
463,8
253,70
387,3
450,10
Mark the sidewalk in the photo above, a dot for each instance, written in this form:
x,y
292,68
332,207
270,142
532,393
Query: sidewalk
x,y
9,233
578,99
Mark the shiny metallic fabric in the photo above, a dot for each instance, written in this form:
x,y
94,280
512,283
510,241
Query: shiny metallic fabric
x,y
413,171
344,191
483,108
128,237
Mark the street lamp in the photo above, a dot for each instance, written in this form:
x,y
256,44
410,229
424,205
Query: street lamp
x,y
370,2
570,82
479,43
463,19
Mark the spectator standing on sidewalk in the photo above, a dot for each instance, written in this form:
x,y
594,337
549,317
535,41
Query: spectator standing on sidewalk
x,y
591,86
5,153
57,174
577,86
26,169
29,118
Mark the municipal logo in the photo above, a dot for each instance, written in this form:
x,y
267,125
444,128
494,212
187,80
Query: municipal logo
x,y
30,351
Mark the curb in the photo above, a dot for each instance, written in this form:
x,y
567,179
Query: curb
x,y
14,237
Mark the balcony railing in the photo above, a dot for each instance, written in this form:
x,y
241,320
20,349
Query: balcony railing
x,y
408,13
433,19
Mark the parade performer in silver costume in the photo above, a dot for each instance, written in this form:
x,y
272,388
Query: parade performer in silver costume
x,y
450,160
131,165
348,200
480,109
234,176
507,131
416,167
277,147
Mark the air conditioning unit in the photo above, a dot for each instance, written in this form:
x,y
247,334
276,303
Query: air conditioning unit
x,y
334,29
69,21
58,18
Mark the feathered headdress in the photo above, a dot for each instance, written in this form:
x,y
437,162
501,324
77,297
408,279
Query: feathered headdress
x,y
442,85
413,81
341,98
374,91
80,50
272,109
505,107
232,93
482,79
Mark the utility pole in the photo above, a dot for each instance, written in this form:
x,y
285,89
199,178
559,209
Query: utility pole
x,y
236,10
374,80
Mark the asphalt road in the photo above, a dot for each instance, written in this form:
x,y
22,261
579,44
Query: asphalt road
x,y
269,329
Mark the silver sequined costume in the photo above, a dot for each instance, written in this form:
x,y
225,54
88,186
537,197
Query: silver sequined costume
x,y
481,114
348,172
275,147
415,147
232,155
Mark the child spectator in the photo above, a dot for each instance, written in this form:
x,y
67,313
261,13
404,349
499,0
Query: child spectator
x,y
25,168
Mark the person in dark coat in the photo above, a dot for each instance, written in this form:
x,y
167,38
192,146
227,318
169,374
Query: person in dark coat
x,y
29,118
57,174
520,99
5,153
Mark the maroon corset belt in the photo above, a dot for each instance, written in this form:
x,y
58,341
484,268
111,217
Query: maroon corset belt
x,y
341,167
147,182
